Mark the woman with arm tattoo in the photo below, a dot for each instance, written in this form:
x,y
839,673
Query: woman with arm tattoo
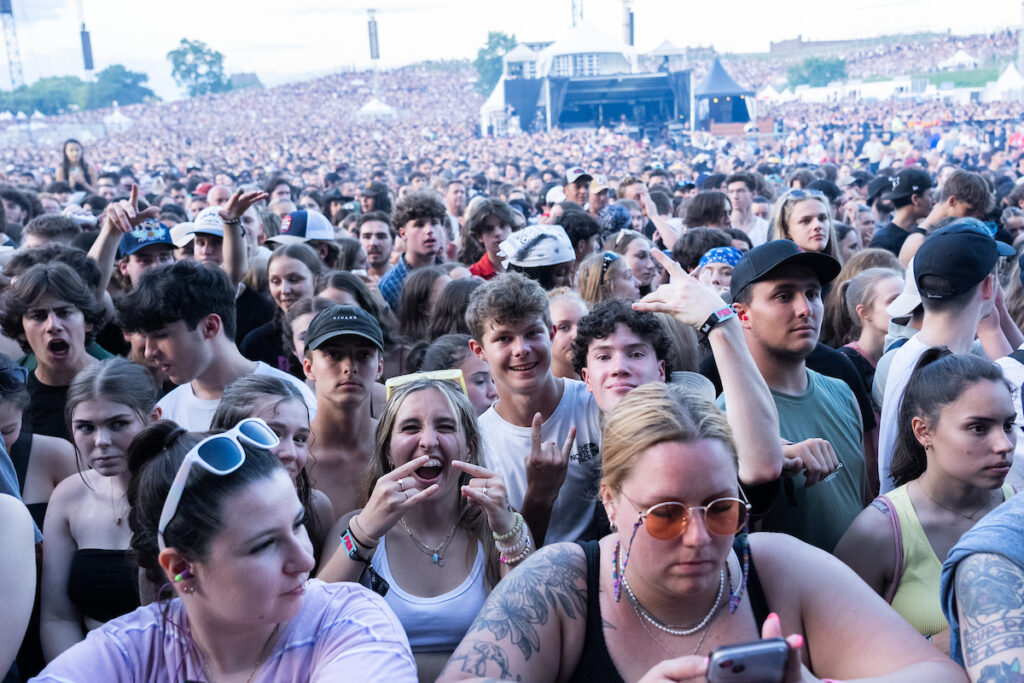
x,y
678,577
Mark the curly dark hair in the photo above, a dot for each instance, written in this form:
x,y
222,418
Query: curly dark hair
x,y
57,279
601,322
79,261
419,204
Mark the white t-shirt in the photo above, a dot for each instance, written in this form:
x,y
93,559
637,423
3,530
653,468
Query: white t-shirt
x,y
904,360
196,414
506,446
758,232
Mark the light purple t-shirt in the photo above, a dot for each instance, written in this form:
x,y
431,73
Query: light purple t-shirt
x,y
343,632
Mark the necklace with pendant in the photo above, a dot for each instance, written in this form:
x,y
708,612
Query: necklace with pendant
x,y
437,553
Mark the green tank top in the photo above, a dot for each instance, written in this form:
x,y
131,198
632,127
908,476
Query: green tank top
x,y
917,596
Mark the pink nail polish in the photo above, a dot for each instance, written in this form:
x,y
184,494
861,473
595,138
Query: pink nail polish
x,y
799,641
774,616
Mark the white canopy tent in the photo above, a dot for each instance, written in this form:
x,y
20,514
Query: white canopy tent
x,y
586,51
961,60
377,109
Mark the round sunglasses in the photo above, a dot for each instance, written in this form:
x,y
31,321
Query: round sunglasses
x,y
722,517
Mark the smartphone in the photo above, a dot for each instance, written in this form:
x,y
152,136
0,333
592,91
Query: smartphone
x,y
762,661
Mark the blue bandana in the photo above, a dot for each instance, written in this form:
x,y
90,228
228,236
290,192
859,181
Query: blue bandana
x,y
729,255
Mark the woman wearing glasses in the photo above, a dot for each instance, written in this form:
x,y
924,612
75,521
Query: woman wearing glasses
x,y
805,217
607,275
87,577
217,522
673,581
432,521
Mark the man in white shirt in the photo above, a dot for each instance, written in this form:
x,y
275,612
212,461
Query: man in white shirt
x,y
528,434
953,270
185,313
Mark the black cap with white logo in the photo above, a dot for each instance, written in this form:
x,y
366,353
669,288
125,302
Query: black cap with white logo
x,y
339,321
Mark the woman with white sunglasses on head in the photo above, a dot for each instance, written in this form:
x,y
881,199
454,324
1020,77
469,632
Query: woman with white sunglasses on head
x,y
218,523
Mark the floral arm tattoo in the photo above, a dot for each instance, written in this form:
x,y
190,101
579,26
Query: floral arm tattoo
x,y
529,597
990,597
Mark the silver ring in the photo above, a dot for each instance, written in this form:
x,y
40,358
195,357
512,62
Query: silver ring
x,y
485,486
401,486
406,495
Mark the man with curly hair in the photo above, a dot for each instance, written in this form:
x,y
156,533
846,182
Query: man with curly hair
x,y
418,217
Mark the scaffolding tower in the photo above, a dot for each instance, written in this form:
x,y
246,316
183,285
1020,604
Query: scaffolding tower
x,y
11,39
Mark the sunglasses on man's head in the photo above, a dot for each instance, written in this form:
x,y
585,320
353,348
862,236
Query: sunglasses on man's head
x,y
799,194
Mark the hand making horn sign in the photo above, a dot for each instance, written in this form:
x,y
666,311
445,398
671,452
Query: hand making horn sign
x,y
124,215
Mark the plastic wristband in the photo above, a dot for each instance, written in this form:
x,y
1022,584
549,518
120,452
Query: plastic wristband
x,y
349,543
351,528
717,317
233,221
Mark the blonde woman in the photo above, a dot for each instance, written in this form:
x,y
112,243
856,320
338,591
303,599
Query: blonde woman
x,y
606,276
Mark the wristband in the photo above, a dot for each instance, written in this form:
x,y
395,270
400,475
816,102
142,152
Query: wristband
x,y
717,317
348,541
233,221
352,528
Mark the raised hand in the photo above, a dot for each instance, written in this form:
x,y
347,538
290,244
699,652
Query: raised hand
x,y
393,495
239,203
815,457
125,215
547,465
684,298
487,490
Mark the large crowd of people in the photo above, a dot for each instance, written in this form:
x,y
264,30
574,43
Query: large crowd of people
x,y
290,394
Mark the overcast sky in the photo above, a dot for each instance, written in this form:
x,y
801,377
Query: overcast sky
x,y
284,40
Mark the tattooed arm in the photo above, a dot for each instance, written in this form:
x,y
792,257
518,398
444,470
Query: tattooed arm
x,y
990,602
531,627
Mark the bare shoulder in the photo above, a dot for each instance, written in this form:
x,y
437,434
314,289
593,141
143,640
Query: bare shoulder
x,y
519,632
869,540
53,451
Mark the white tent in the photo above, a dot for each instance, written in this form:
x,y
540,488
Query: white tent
x,y
520,61
1009,85
585,51
520,53
376,109
494,108
768,94
117,120
961,60
666,49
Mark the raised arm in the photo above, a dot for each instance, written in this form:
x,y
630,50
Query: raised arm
x,y
531,624
748,402
546,469
990,602
119,218
236,260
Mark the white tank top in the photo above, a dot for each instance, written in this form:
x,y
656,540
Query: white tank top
x,y
435,624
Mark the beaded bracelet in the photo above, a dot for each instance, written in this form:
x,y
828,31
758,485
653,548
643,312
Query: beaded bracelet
x,y
520,557
515,547
516,528
233,221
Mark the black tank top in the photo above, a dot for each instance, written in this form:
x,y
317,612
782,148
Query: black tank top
x,y
103,584
596,665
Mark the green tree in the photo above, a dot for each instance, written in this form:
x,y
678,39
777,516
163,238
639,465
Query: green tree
x,y
51,95
197,68
118,84
817,71
488,59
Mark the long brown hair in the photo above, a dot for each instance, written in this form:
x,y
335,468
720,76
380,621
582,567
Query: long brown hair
x,y
471,518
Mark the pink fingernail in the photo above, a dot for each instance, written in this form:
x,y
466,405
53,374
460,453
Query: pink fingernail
x,y
799,641
774,616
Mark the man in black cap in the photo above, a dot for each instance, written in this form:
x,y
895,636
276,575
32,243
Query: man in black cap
x,y
776,289
954,272
344,355
911,203
878,199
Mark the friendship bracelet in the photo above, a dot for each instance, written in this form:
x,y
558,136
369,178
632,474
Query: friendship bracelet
x,y
516,528
520,557
233,221
515,547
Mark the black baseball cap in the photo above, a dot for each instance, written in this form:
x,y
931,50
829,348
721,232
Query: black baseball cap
x,y
877,187
908,182
339,321
758,264
962,254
